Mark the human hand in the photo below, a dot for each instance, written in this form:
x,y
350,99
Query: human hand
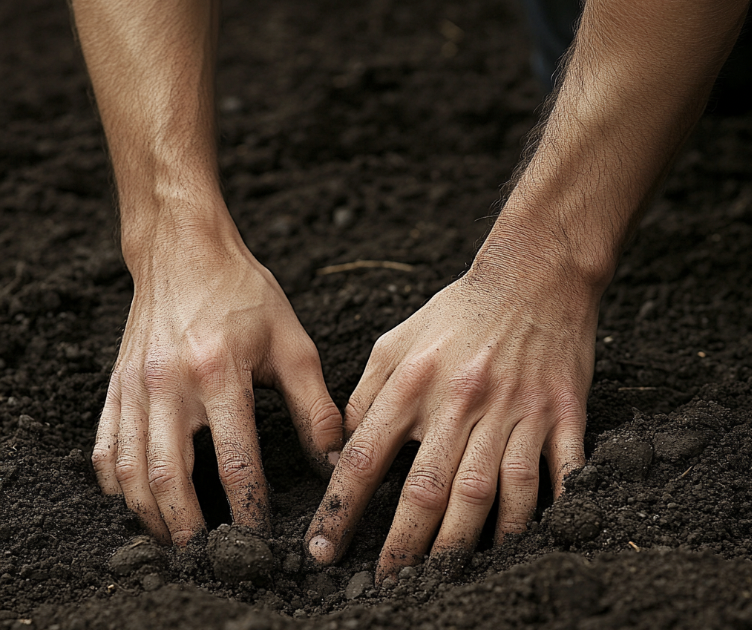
x,y
491,373
207,324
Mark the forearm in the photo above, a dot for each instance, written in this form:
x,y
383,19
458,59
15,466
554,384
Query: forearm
x,y
636,83
151,64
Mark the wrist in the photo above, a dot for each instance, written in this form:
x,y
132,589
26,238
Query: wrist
x,y
554,233
180,231
522,251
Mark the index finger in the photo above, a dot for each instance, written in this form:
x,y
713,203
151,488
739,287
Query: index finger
x,y
361,468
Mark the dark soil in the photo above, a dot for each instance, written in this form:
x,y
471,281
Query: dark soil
x,y
351,131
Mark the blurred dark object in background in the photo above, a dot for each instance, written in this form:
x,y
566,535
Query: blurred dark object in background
x,y
553,24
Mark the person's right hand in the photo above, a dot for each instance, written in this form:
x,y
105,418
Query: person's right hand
x,y
208,323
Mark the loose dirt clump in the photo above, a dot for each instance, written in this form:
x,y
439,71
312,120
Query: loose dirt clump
x,y
354,132
239,556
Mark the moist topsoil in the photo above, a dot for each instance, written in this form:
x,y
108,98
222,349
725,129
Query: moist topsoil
x,y
369,131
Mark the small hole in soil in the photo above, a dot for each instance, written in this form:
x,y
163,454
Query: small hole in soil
x,y
211,494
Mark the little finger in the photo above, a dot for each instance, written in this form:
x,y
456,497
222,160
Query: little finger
x,y
105,451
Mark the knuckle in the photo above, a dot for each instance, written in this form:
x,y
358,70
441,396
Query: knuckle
x,y
359,457
519,471
126,468
468,385
324,415
207,364
157,373
416,370
474,488
235,466
163,476
384,344
513,524
354,410
309,353
102,458
427,489
383,353
300,351
570,409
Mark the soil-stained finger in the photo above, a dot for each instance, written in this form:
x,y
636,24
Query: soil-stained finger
x,y
518,477
362,466
378,370
231,419
473,488
105,451
424,499
169,455
565,452
132,472
314,414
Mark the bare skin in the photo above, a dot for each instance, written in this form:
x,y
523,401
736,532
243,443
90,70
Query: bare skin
x,y
490,374
494,371
207,322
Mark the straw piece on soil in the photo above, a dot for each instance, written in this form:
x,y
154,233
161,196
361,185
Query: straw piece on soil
x,y
365,264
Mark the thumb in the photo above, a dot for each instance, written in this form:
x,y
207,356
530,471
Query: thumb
x,y
314,414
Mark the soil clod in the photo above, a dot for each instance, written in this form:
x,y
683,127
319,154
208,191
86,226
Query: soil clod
x,y
358,585
631,457
237,555
139,552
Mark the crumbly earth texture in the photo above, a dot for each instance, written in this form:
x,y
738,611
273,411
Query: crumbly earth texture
x,y
377,130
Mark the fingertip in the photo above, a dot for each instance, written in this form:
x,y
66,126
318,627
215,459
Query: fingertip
x,y
383,574
564,458
322,551
182,538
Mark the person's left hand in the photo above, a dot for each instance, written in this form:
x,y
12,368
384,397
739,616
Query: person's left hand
x,y
491,373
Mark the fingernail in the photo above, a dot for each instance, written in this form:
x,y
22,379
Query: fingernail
x,y
333,457
321,549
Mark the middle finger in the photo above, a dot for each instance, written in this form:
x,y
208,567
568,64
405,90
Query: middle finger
x,y
424,497
474,488
170,463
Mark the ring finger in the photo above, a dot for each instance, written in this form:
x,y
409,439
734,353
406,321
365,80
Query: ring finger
x,y
518,477
473,489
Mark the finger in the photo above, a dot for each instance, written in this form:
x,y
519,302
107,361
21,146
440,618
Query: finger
x,y
518,478
362,466
473,489
565,452
423,501
314,414
378,370
231,419
104,455
132,473
170,462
